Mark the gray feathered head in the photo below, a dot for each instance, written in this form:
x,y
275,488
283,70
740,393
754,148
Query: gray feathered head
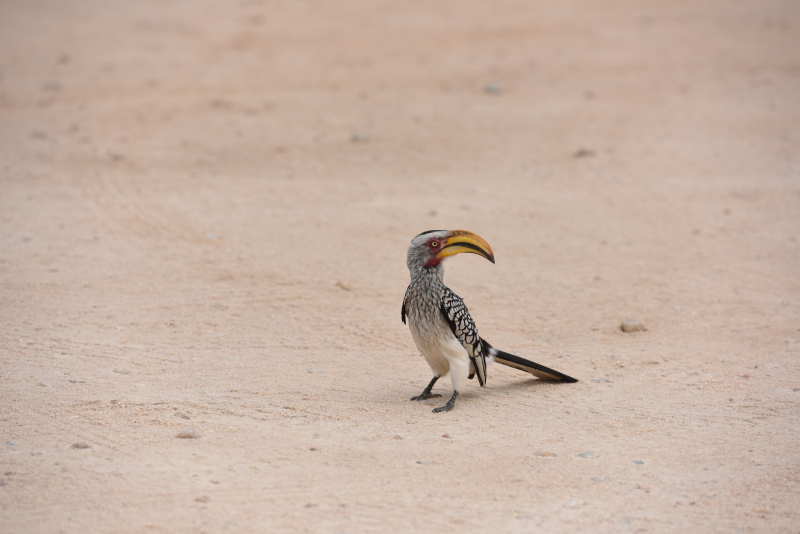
x,y
429,248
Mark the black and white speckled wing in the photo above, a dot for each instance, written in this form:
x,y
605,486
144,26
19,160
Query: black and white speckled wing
x,y
404,309
457,316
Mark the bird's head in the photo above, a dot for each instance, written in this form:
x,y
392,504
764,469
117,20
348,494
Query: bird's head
x,y
429,248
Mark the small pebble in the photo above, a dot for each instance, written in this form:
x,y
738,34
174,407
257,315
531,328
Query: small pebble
x,y
189,433
122,371
204,498
745,375
313,449
182,415
638,462
80,445
43,384
10,443
584,153
398,437
545,454
445,435
632,325
114,401
423,462
492,89
795,389
310,505
214,481
587,454
359,138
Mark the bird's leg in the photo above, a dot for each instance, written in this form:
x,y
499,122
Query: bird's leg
x,y
426,393
449,406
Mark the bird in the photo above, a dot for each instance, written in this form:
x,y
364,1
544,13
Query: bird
x,y
440,323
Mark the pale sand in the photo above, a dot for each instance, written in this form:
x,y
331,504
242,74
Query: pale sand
x,y
217,198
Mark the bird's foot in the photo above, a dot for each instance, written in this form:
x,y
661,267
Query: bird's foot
x,y
425,395
449,406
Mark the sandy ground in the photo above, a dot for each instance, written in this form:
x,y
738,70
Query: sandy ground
x,y
205,212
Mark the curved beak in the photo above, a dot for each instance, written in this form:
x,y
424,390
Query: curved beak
x,y
459,241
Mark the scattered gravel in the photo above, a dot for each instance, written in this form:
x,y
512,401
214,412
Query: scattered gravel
x,y
632,325
342,285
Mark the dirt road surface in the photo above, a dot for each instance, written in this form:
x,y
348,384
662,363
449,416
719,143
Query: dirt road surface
x,y
205,208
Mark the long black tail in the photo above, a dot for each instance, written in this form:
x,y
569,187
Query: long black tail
x,y
539,371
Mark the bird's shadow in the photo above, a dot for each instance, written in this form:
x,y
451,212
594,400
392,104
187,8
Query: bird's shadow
x,y
517,385
511,386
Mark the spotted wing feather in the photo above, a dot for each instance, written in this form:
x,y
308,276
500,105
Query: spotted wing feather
x,y
404,309
457,316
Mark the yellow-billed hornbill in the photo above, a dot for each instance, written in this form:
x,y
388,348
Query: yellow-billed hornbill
x,y
440,323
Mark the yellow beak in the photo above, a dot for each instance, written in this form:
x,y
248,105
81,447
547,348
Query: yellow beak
x,y
459,241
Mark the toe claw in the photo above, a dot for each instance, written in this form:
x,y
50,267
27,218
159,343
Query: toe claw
x,y
423,397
